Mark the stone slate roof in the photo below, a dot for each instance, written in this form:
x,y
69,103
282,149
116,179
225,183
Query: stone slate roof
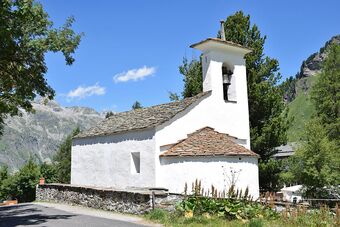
x,y
139,119
226,42
287,150
207,142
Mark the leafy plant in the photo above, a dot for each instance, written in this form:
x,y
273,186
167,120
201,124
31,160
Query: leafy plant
x,y
49,172
232,204
316,163
21,185
27,35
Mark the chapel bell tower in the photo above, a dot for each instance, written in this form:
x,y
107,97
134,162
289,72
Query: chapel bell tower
x,y
224,70
224,74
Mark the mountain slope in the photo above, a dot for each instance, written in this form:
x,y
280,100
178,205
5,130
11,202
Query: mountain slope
x,y
301,110
38,135
297,91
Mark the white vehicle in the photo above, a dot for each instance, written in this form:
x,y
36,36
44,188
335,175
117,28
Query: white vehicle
x,y
292,194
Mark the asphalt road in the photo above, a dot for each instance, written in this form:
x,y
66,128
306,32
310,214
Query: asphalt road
x,y
40,215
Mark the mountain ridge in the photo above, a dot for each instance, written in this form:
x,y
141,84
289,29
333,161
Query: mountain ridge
x,y
39,134
297,91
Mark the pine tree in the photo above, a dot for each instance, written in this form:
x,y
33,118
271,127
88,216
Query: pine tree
x,y
326,93
268,123
62,159
193,81
136,105
108,114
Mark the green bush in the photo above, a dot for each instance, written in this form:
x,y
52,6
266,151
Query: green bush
x,y
228,208
21,185
49,172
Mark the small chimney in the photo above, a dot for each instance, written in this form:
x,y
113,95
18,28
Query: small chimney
x,y
222,30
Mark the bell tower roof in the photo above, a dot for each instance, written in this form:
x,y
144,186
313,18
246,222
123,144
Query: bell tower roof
x,y
219,44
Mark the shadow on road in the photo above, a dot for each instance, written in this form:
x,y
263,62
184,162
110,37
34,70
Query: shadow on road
x,y
11,216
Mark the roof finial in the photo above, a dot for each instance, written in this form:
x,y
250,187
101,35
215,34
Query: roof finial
x,y
222,30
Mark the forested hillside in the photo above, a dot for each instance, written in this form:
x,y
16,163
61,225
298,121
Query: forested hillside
x,y
297,91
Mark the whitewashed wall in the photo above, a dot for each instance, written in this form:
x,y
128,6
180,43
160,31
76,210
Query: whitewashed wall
x,y
175,172
213,111
106,161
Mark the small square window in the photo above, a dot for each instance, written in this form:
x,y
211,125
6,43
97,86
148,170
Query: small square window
x,y
135,162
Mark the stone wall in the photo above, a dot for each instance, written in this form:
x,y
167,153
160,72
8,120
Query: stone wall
x,y
136,201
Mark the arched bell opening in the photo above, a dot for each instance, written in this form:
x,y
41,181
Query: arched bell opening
x,y
228,80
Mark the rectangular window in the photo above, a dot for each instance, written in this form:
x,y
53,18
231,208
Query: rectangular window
x,y
135,162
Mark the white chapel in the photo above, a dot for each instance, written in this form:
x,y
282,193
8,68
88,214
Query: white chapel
x,y
205,137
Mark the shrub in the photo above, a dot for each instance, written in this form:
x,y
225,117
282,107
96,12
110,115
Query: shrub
x,y
21,185
49,172
231,205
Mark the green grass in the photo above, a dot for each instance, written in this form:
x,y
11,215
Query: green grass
x,y
316,218
301,110
175,219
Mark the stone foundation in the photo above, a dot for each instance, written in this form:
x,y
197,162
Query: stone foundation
x,y
136,201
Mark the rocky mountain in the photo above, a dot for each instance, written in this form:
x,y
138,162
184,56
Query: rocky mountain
x,y
312,65
39,134
296,90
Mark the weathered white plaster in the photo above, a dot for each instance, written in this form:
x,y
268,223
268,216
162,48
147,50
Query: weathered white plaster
x,y
225,117
213,111
175,172
106,161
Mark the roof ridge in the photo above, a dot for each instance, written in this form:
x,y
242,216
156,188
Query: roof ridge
x,y
199,143
141,119
162,104
228,42
201,129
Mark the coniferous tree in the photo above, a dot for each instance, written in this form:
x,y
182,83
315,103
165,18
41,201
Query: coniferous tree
x,y
136,105
108,114
316,163
193,82
268,120
326,93
173,96
3,176
62,159
267,123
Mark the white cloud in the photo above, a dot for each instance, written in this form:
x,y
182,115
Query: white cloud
x,y
83,92
134,74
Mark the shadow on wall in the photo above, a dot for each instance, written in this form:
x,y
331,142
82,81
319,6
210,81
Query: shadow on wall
x,y
182,113
116,138
232,159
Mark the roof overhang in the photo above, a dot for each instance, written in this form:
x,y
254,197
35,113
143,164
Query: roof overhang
x,y
219,44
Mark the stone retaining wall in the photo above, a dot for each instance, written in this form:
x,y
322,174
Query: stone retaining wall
x,y
137,201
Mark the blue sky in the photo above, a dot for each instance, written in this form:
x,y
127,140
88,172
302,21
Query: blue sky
x,y
132,49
